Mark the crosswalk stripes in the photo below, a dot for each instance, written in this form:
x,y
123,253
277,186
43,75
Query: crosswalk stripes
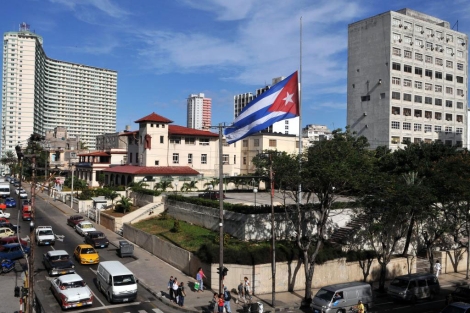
x,y
156,310
144,311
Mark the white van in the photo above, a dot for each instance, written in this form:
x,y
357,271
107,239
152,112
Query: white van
x,y
116,282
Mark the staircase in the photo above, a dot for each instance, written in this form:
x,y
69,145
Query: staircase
x,y
342,234
422,265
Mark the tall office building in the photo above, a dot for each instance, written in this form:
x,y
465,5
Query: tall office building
x,y
40,93
407,80
289,126
199,111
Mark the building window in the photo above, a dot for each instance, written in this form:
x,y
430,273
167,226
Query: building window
x,y
189,141
418,99
449,77
234,159
427,128
395,140
419,56
176,158
459,130
256,142
395,81
460,92
245,143
175,140
395,125
225,159
428,59
397,52
419,43
418,113
417,127
438,101
418,85
396,66
203,141
438,75
449,90
406,126
437,88
407,112
407,54
448,129
406,97
459,54
448,103
460,66
418,71
459,105
161,139
449,64
190,158
459,118
419,29
428,73
407,68
395,95
417,140
272,143
130,158
438,116
438,61
458,143
365,98
203,158
157,162
395,111
407,83
459,79
244,160
449,117
406,140
428,87
437,129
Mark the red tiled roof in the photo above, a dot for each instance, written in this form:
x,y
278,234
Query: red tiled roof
x,y
152,170
129,133
181,130
154,118
96,153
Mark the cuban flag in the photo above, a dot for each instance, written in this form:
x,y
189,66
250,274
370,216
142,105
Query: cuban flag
x,y
278,103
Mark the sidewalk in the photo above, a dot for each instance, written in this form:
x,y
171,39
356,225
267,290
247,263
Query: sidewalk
x,y
153,274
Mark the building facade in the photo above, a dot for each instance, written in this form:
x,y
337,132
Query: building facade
x,y
199,111
316,133
407,80
288,126
40,93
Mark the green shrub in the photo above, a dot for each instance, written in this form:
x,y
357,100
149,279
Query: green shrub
x,y
176,227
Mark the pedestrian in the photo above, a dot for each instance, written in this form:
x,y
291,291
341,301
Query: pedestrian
x,y
199,277
175,289
241,292
437,268
360,307
247,286
215,299
227,298
170,288
181,295
221,303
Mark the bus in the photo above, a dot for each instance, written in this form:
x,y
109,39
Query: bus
x,y
4,190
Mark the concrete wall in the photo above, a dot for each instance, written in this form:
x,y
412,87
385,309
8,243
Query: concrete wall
x,y
142,200
289,276
452,260
110,222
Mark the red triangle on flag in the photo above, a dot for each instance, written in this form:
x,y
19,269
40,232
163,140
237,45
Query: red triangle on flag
x,y
288,98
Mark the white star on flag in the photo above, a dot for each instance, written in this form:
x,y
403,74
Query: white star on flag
x,y
288,98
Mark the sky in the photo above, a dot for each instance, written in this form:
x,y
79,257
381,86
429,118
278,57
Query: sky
x,y
164,51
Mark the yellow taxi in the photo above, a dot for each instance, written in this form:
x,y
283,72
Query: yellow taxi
x,y
86,254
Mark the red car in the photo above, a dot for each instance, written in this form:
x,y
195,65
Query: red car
x,y
4,220
12,239
74,220
214,195
26,213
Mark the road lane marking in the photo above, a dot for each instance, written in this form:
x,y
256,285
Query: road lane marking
x,y
108,307
157,310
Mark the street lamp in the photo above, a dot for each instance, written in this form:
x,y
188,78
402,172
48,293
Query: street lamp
x,y
176,185
255,191
71,194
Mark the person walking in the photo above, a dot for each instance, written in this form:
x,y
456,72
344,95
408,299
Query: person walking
x,y
241,292
215,299
227,298
199,277
360,307
175,290
181,294
170,288
247,286
220,304
437,268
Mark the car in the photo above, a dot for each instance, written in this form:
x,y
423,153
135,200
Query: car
x,y
10,202
23,194
86,254
83,227
457,307
16,184
214,195
460,294
13,251
45,235
12,239
4,220
57,262
96,239
14,228
71,291
73,220
4,214
26,213
3,206
6,232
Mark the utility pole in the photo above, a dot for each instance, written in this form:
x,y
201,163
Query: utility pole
x,y
32,234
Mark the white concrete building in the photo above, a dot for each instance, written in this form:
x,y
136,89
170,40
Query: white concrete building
x,y
288,127
40,93
407,80
199,111
316,133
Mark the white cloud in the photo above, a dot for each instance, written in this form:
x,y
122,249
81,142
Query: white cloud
x,y
225,10
105,6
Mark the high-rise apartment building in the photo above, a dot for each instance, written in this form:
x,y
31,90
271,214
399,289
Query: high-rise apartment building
x,y
40,93
199,111
407,80
288,126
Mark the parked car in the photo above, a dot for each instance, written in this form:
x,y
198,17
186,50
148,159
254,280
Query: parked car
x,y
414,286
460,294
96,239
26,213
342,297
6,232
13,251
4,220
457,307
4,214
12,239
57,262
214,195
86,254
71,291
83,227
10,202
15,228
73,220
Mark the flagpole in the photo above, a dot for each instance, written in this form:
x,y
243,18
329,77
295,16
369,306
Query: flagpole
x,y
299,200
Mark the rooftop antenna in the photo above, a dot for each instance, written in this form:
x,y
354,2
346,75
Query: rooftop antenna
x,y
24,27
456,23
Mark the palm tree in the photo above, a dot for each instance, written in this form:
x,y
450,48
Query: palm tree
x,y
163,185
9,159
125,203
189,186
214,182
112,195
